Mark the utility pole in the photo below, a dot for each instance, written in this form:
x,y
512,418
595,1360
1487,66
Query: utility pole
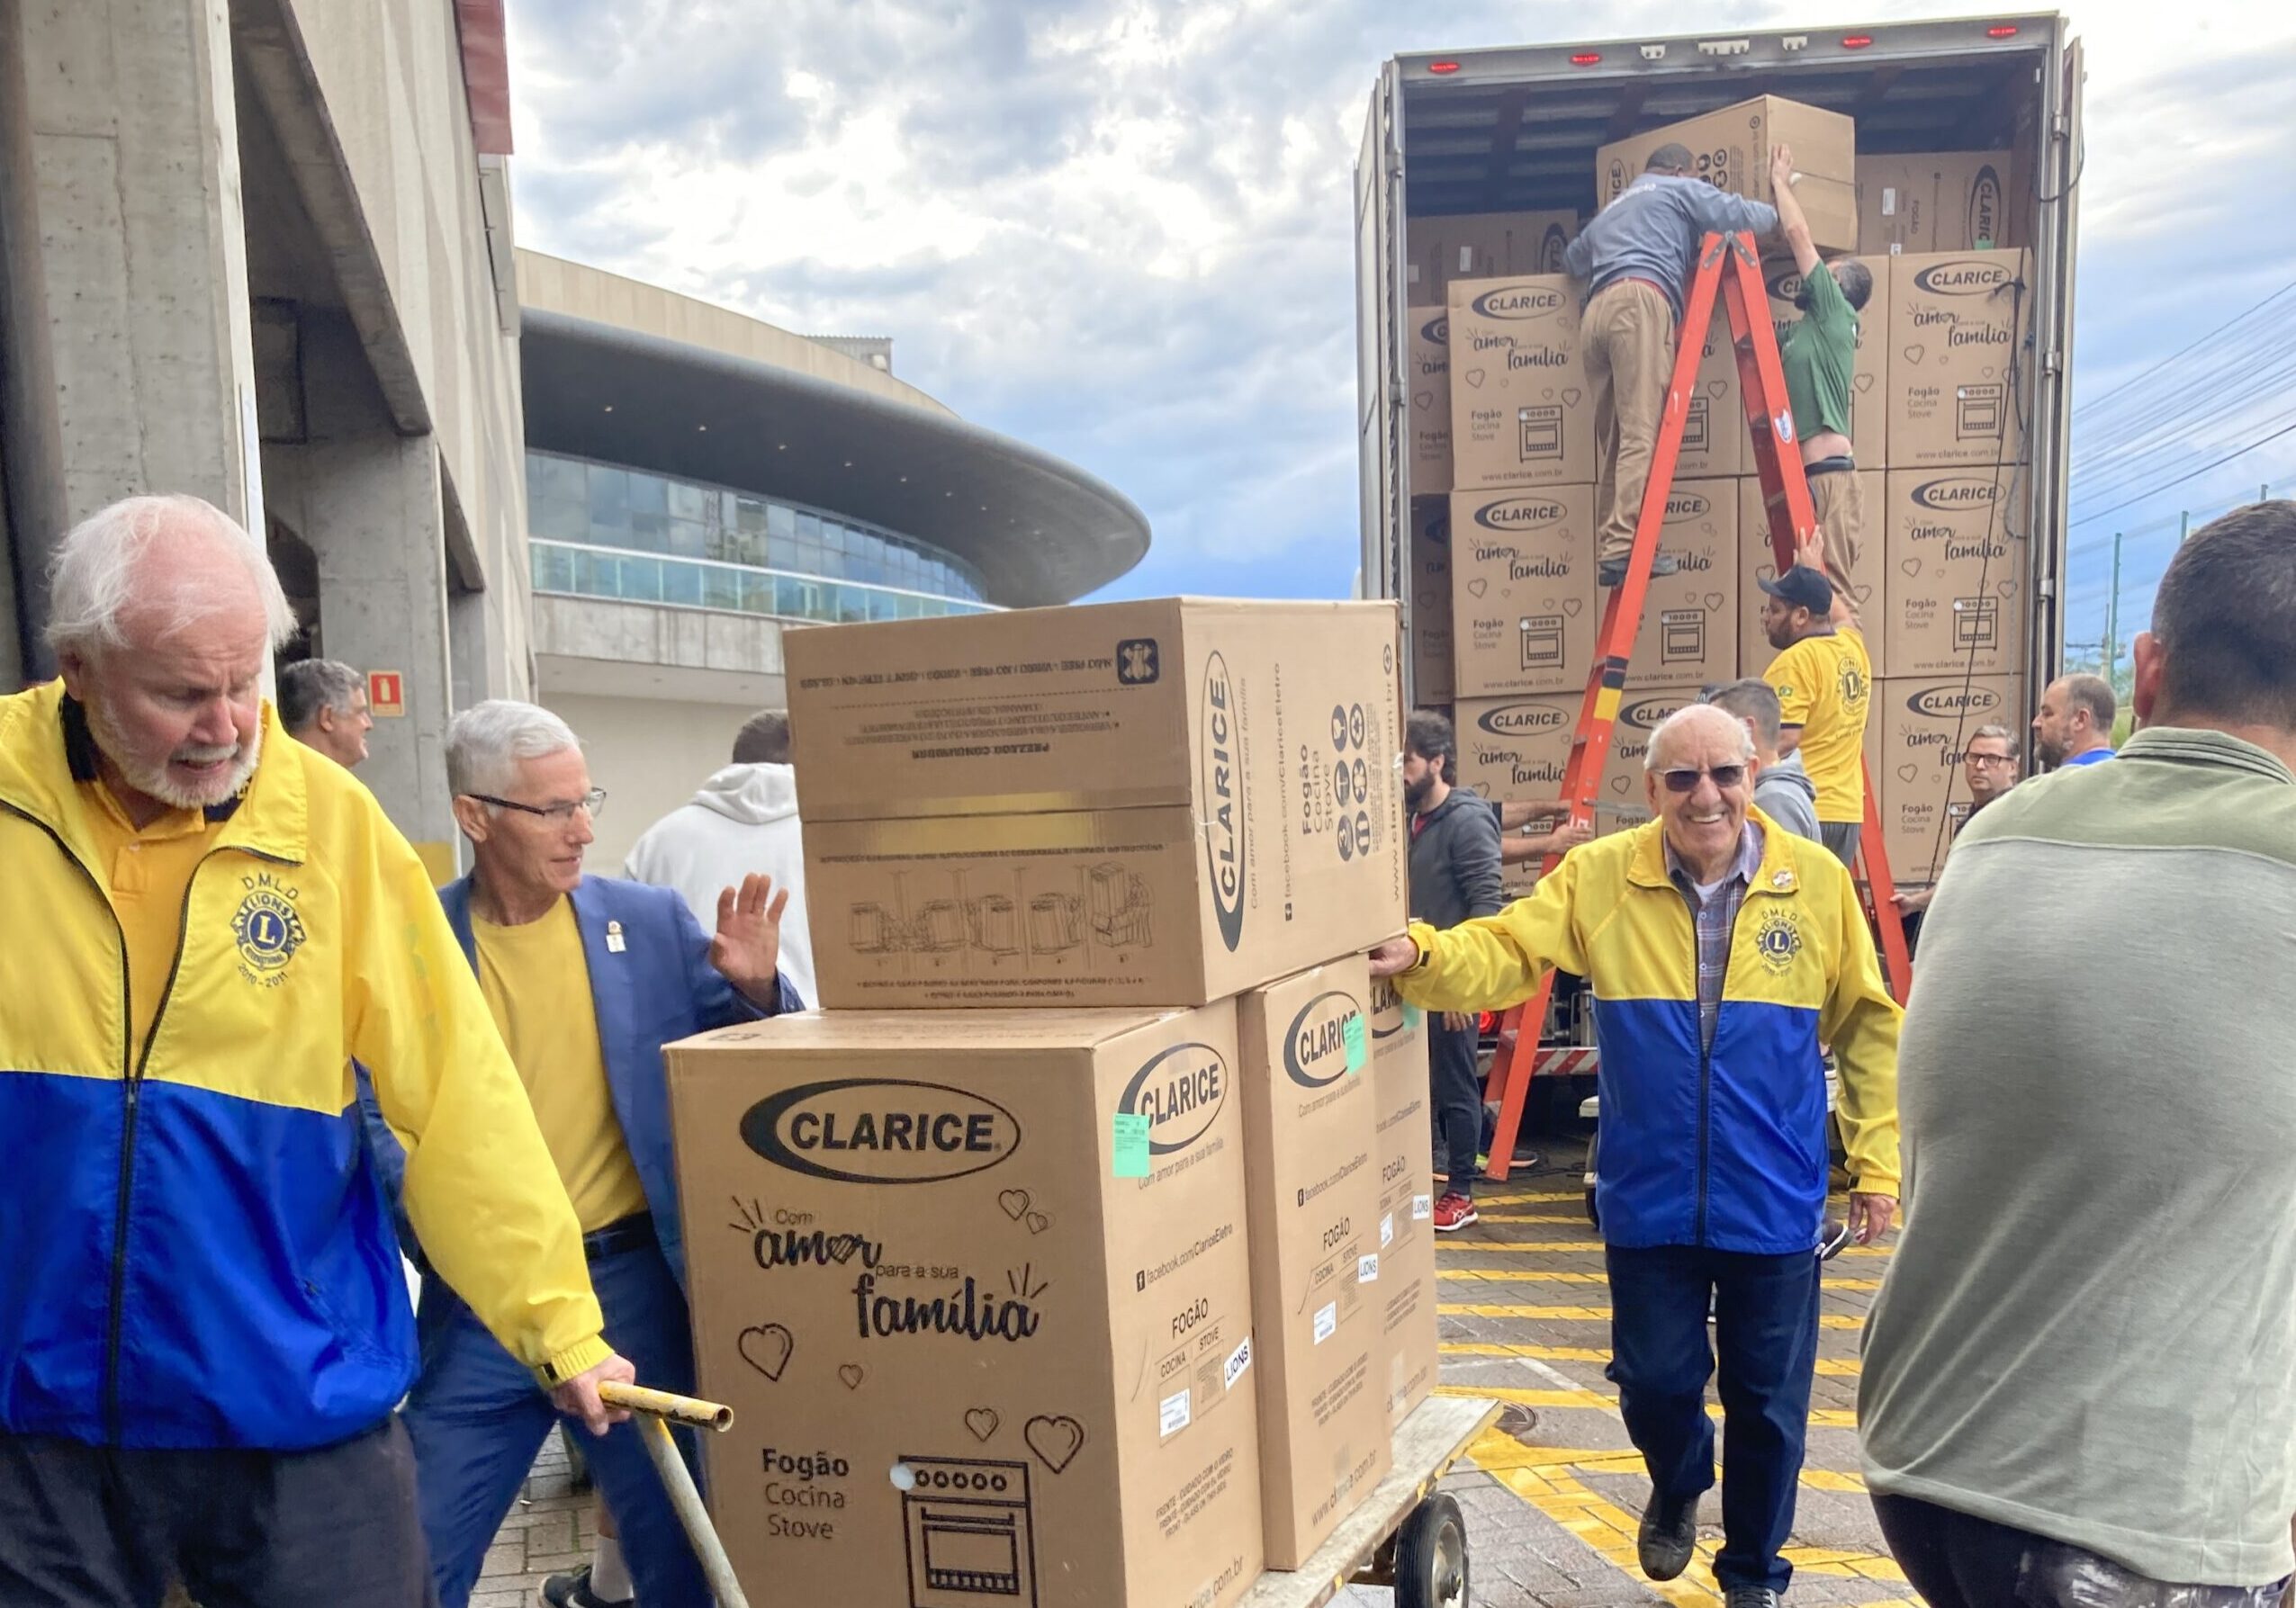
x,y
2112,613
2183,526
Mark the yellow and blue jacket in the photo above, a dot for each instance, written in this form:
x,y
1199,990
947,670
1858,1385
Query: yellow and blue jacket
x,y
1721,1148
199,1250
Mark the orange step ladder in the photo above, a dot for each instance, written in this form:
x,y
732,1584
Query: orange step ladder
x,y
1728,267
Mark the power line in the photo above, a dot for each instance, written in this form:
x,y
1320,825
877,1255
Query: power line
x,y
2190,474
2095,402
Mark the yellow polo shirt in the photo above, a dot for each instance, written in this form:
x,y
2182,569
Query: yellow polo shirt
x,y
147,875
1823,685
536,983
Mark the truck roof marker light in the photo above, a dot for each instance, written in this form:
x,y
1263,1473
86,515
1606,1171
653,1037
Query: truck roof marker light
x,y
1856,41
1586,59
2002,31
1443,70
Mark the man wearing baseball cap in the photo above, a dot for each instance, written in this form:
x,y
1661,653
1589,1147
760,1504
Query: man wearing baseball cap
x,y
1823,681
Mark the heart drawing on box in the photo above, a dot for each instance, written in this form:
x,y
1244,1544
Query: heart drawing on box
x,y
1864,382
1423,399
1713,601
1039,1222
1619,784
1914,354
1571,605
1544,602
1909,773
1474,377
1862,593
1912,566
1477,585
982,1422
1767,572
767,1349
2007,588
1571,395
1717,388
1015,1203
851,1374
1054,1439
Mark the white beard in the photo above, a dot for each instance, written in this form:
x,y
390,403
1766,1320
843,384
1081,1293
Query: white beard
x,y
154,782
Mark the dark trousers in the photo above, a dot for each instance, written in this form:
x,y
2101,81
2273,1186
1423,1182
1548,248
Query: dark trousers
x,y
1456,1097
1957,1560
100,1527
1766,1333
477,1419
1842,837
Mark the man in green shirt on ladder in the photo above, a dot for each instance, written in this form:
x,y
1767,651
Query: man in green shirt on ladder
x,y
1820,355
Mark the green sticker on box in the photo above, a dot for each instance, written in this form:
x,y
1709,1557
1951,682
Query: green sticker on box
x,y
1411,1016
1358,1042
1131,1134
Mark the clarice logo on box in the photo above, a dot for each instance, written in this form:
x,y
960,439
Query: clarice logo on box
x,y
1387,1009
1687,505
1181,1091
1965,277
1315,1045
1522,720
880,1130
1437,329
1520,514
1953,698
1647,715
1956,492
1984,207
1784,284
1518,301
1223,802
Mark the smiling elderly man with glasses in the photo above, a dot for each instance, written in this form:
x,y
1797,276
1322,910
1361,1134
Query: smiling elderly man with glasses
x,y
1721,950
587,978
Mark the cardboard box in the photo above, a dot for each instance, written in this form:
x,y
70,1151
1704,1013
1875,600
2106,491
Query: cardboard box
x,y
1869,379
1944,200
1519,411
1914,738
976,1285
1155,804
1690,628
1312,1187
1732,149
1715,435
1430,382
1431,647
1957,326
1624,803
1406,1138
1868,577
1960,572
1523,610
1484,245
1514,749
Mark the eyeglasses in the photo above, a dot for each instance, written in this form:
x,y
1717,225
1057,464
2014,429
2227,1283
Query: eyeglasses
x,y
592,803
1990,758
1686,778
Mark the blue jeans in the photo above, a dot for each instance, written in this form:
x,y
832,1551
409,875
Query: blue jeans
x,y
1766,1332
477,1419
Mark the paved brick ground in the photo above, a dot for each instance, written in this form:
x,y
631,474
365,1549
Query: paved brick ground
x,y
1551,1510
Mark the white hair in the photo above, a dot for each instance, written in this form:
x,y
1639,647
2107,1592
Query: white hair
x,y
485,742
1702,714
94,576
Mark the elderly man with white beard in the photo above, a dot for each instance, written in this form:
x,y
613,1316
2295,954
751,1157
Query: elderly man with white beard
x,y
204,1327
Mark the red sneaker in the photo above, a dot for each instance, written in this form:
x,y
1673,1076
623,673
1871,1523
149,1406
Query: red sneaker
x,y
1453,1213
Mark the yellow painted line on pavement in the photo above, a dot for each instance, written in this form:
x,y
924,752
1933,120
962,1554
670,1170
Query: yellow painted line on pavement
x,y
1596,1314
1844,1565
1606,1529
1827,1367
1544,1198
1601,1401
1525,1276
1626,1460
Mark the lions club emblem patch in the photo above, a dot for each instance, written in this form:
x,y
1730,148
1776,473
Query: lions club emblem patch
x,y
1778,940
267,930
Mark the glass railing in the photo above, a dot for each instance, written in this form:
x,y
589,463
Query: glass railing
x,y
570,569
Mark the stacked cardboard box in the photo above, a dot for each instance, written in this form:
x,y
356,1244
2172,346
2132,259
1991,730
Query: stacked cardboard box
x,y
1077,1297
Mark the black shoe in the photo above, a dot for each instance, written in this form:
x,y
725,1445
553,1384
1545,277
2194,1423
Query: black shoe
x,y
1833,1236
1749,1596
1666,1542
572,1591
1612,571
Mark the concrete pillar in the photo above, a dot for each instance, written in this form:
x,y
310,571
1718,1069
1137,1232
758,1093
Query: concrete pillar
x,y
368,501
141,248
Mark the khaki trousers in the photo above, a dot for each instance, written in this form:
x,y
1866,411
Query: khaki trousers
x,y
1839,500
1627,336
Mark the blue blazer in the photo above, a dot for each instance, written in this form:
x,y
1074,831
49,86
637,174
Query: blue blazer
x,y
658,988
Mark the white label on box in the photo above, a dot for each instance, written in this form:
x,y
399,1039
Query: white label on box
x,y
1367,1268
1386,1230
1239,1359
1422,1208
1326,1321
1172,1416
1466,259
1889,200
1411,274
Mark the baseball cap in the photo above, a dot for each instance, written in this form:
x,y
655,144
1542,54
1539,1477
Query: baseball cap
x,y
1802,588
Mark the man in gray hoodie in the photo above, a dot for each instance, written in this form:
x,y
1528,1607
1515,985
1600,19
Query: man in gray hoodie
x,y
1783,790
744,819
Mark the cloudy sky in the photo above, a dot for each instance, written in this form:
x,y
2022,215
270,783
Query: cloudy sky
x,y
1123,231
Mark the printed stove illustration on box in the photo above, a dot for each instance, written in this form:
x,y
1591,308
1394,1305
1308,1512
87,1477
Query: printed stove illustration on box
x,y
1540,434
966,1522
1978,412
1682,636
1976,622
1542,642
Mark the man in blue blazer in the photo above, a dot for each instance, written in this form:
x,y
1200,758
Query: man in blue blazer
x,y
587,978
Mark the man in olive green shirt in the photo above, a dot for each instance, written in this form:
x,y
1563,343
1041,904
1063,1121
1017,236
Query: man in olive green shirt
x,y
1820,355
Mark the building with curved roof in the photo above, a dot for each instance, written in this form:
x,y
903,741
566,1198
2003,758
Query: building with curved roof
x,y
699,482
